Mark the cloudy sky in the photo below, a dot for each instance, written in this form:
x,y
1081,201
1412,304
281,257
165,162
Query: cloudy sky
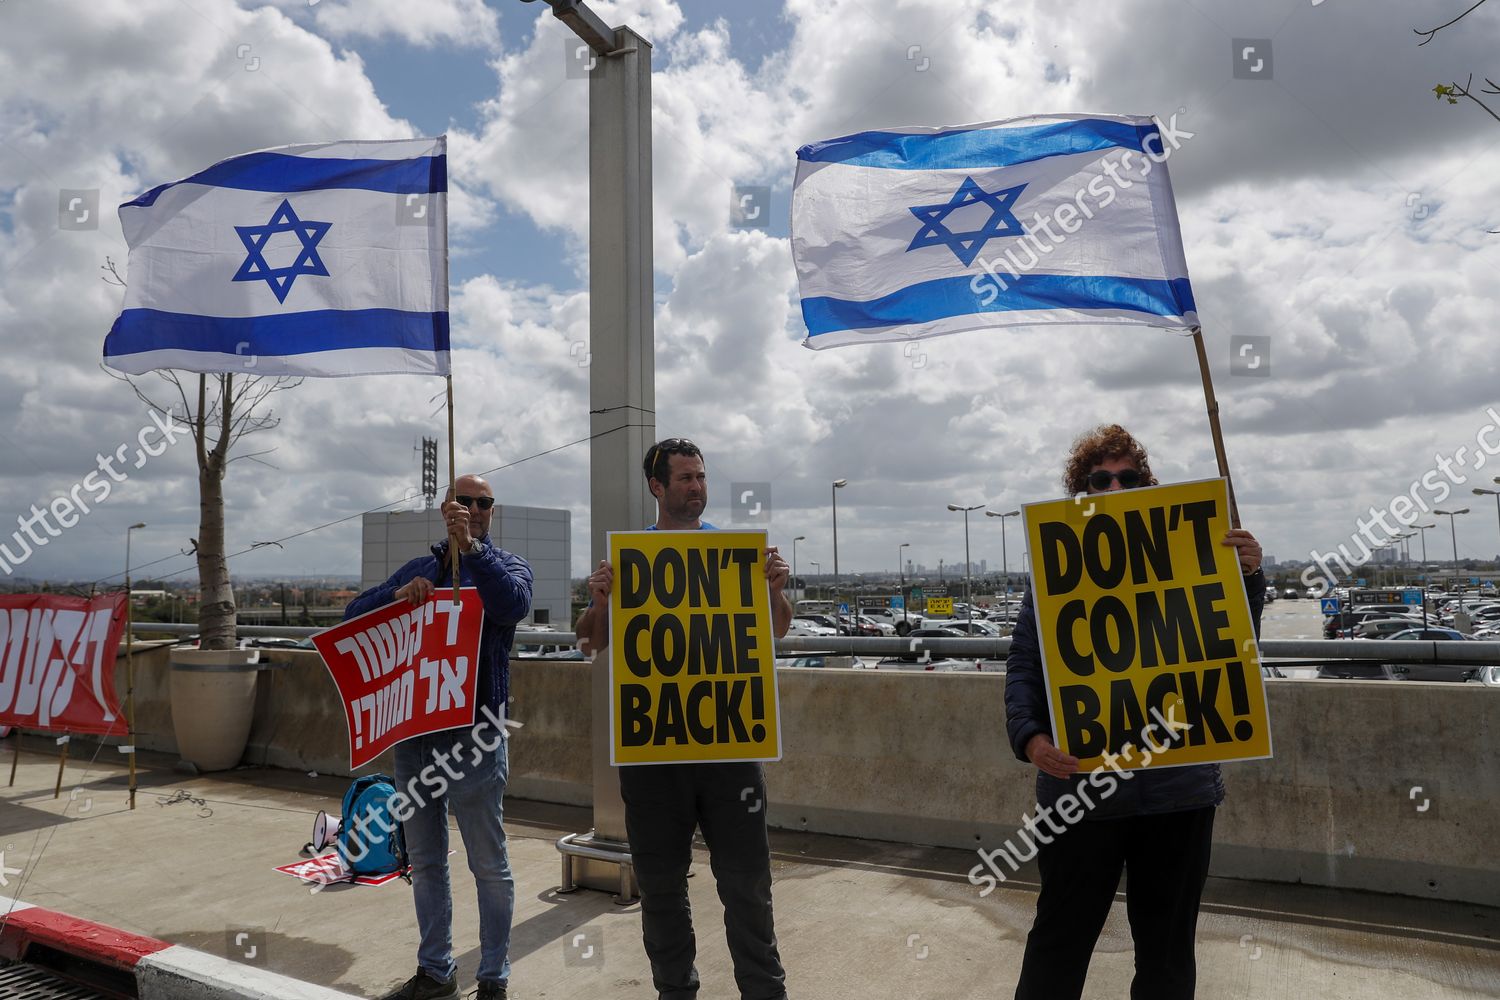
x,y
1329,203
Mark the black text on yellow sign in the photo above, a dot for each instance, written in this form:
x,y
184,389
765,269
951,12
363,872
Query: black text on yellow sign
x,y
692,658
1147,642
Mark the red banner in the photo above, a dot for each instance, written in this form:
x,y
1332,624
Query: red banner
x,y
57,662
403,671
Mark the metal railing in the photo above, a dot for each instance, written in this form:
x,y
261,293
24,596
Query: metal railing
x,y
968,647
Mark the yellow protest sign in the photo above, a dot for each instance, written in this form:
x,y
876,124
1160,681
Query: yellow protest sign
x,y
940,606
1147,642
692,659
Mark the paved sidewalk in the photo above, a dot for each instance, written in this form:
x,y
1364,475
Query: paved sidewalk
x,y
856,919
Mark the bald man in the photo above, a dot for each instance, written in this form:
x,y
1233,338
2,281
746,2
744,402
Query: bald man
x,y
456,767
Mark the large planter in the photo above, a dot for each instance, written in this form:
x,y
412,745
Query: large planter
x,y
213,704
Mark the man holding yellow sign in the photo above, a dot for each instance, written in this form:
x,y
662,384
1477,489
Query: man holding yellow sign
x,y
1135,647
689,624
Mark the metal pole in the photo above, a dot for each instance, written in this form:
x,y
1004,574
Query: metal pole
x,y
802,591
835,491
1005,568
1454,532
901,571
622,358
968,597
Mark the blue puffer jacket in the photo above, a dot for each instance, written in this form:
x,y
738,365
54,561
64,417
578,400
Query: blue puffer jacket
x,y
1148,791
504,583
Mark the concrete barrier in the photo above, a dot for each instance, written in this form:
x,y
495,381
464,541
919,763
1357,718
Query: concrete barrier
x,y
922,758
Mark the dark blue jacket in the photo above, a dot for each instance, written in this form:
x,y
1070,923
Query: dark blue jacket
x,y
1027,713
504,583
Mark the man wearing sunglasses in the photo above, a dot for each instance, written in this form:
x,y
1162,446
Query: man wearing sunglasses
x,y
664,803
1156,827
456,767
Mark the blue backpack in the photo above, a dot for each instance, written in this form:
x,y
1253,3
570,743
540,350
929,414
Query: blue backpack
x,y
377,844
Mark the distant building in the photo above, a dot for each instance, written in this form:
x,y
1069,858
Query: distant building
x,y
540,535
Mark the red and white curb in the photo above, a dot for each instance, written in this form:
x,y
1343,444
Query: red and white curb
x,y
163,971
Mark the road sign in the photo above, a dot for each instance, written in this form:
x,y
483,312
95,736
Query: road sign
x,y
843,609
1412,597
1360,582
898,603
940,606
1329,605
916,593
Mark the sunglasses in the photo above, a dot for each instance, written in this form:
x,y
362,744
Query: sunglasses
x,y
1128,479
484,503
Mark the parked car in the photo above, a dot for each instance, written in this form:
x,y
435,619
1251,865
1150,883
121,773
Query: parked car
x,y
1359,670
1271,594
816,661
1290,593
1339,626
882,627
978,627
806,626
828,621
894,618
954,666
929,632
1433,671
1381,628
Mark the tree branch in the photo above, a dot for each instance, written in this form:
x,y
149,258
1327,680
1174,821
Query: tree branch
x,y
1453,92
1431,33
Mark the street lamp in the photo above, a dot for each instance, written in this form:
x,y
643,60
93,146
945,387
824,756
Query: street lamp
x,y
968,599
901,569
130,661
1490,493
1004,557
1423,529
838,484
799,538
1406,537
817,567
1453,532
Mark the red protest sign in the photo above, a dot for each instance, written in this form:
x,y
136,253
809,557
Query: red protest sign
x,y
405,671
57,662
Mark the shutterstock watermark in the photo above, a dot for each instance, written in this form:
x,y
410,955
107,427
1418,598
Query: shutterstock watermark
x,y
1407,508
152,440
1073,805
1121,173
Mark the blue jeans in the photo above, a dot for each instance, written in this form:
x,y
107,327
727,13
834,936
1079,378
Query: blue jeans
x,y
476,798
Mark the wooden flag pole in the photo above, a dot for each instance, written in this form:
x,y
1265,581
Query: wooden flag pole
x,y
1213,423
452,488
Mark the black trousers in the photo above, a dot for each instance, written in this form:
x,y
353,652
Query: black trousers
x,y
663,804
1165,860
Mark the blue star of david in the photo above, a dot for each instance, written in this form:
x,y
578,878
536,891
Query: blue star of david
x,y
966,246
280,279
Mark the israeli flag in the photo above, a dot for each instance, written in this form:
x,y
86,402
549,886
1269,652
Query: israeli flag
x,y
1044,220
324,259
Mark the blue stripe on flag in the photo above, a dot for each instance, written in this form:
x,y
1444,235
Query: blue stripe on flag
x,y
981,147
279,172
945,297
139,330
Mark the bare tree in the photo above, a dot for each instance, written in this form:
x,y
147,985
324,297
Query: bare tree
x,y
219,419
